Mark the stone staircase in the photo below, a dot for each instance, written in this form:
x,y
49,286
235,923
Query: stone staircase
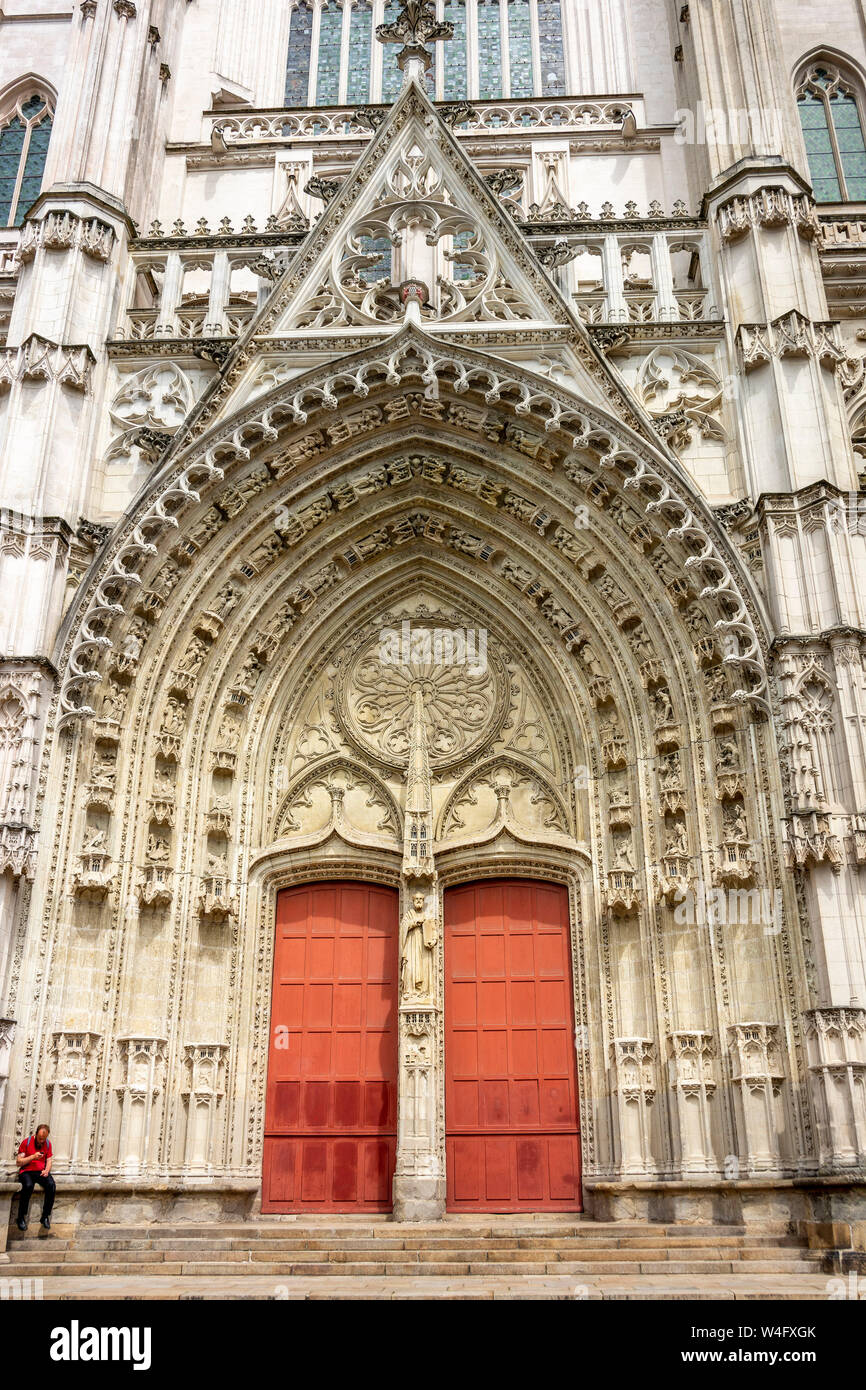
x,y
460,1257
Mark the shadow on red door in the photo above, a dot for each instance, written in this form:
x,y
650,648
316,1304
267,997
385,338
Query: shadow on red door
x,y
511,1113
331,1111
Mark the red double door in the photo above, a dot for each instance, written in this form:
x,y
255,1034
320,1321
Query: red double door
x,y
511,1114
511,1090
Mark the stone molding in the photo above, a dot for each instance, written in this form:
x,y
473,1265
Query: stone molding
x,y
62,230
789,335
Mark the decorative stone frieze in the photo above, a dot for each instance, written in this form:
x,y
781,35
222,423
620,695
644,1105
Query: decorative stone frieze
x,y
757,1074
39,359
770,208
836,1040
143,1063
61,230
790,335
75,1053
692,1083
18,845
633,1088
7,1034
202,1094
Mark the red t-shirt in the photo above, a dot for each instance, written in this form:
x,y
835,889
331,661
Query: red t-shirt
x,y
40,1156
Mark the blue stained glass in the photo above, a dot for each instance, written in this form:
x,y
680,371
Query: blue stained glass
x,y
360,33
328,70
489,50
13,138
392,77
11,145
298,60
551,48
454,88
519,48
381,269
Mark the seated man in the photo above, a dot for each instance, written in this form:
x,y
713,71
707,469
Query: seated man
x,y
34,1165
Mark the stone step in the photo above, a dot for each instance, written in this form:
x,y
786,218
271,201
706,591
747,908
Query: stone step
x,y
210,1242
142,1288
413,1269
212,1253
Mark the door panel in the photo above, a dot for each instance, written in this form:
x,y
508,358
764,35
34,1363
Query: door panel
x,y
331,1113
511,1115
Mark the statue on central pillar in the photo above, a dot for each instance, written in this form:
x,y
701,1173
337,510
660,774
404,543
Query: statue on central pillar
x,y
418,939
419,1185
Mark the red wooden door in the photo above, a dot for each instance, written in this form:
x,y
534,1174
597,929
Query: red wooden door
x,y
331,1114
511,1116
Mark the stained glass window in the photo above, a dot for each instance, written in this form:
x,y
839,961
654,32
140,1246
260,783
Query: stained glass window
x,y
23,147
489,50
520,48
360,35
298,61
551,48
328,68
392,77
454,86
833,136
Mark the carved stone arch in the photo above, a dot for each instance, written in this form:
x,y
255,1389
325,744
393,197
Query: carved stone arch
x,y
28,84
485,771
836,58
322,772
624,463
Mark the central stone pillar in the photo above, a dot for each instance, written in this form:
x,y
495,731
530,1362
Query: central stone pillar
x,y
419,1177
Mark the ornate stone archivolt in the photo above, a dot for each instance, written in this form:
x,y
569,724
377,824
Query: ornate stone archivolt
x,y
621,463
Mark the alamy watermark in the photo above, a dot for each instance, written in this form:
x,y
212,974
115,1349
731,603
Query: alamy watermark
x,y
730,125
709,906
437,646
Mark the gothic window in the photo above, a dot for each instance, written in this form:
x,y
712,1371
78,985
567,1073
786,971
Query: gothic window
x,y
520,48
833,134
489,50
24,134
298,61
454,87
392,77
328,68
550,45
360,37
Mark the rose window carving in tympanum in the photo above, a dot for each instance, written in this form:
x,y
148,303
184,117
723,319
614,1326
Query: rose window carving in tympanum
x,y
464,689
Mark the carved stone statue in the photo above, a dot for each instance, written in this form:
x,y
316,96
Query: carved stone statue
x,y
418,937
94,841
737,828
622,859
157,849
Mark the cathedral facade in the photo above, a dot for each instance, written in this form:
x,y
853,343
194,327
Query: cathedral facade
x,y
433,626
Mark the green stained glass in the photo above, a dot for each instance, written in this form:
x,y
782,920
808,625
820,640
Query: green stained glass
x,y
11,145
552,51
489,50
392,77
360,33
850,148
328,69
15,137
298,61
520,48
455,56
